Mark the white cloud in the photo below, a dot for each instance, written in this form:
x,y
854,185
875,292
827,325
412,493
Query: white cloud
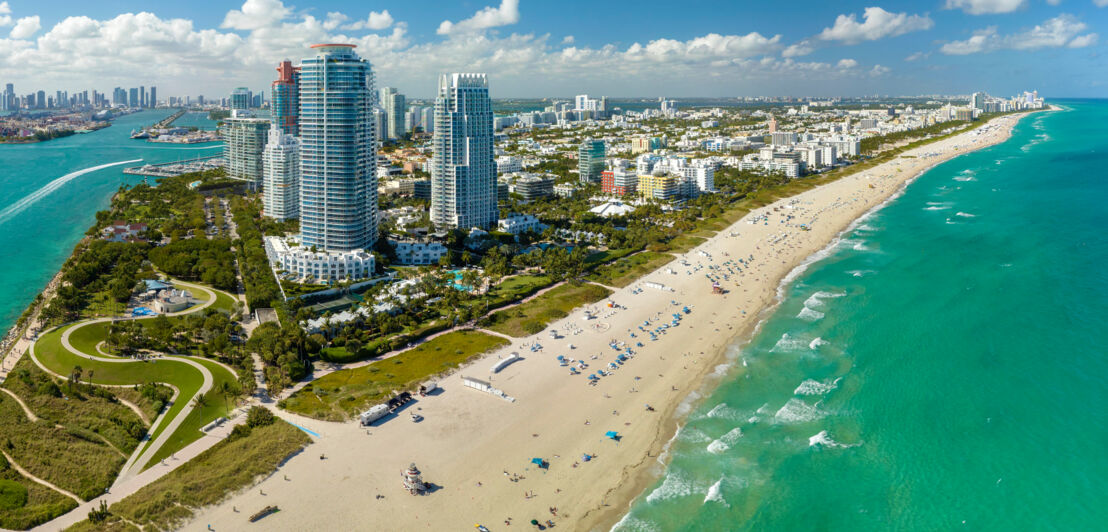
x,y
568,39
799,49
876,24
989,7
489,17
376,21
210,61
1054,2
879,70
5,12
1099,3
917,56
1083,41
26,27
846,63
1057,32
255,14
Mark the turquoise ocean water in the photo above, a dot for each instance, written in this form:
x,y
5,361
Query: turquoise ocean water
x,y
51,192
942,368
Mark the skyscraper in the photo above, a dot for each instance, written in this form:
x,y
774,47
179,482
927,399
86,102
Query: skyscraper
x,y
240,98
281,175
463,174
338,186
244,138
153,101
133,100
142,96
590,160
394,104
285,105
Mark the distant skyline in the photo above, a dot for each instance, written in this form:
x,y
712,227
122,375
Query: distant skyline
x,y
534,49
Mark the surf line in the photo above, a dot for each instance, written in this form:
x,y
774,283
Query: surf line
x,y
19,206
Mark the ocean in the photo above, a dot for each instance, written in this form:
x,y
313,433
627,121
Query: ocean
x,y
52,191
942,367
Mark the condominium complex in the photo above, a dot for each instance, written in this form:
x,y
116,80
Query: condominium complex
x,y
240,98
394,105
281,170
285,106
463,173
338,186
244,138
590,160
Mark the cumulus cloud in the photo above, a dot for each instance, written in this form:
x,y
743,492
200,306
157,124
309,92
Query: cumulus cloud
x,y
5,14
876,24
846,63
989,7
489,17
799,49
255,14
568,39
918,56
1063,30
263,32
26,27
376,21
1099,3
879,70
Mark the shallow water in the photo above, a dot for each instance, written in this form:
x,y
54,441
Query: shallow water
x,y
958,380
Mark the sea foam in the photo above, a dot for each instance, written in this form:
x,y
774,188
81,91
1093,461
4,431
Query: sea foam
x,y
824,440
715,494
797,411
814,387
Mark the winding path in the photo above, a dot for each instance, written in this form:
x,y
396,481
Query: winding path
x,y
30,415
37,480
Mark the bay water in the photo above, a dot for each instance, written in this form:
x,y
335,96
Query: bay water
x,y
51,191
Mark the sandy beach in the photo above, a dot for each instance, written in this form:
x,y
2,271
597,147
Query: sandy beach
x,y
476,449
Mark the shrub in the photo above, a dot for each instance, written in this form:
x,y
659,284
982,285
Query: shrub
x,y
533,327
259,417
12,495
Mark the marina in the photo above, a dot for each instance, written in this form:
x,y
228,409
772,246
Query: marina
x,y
173,169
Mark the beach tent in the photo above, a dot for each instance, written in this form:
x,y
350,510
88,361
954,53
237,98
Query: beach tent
x,y
611,434
539,462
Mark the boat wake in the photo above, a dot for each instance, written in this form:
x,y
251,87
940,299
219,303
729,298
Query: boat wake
x,y
19,206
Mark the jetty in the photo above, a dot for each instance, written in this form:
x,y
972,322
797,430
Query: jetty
x,y
167,121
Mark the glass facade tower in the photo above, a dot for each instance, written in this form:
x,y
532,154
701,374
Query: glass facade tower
x,y
285,105
463,170
338,151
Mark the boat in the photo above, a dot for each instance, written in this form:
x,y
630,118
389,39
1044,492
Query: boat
x,y
139,134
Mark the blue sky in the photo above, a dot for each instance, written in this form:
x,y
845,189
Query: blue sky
x,y
531,48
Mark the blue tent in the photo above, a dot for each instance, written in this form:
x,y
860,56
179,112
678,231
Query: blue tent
x,y
539,462
612,435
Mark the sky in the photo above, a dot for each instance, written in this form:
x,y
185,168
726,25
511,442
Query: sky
x,y
533,48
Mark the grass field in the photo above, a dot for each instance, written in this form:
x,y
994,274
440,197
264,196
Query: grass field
x,y
686,242
39,504
223,301
342,394
217,406
170,501
626,270
532,316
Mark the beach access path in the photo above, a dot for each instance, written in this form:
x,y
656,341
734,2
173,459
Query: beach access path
x,y
476,449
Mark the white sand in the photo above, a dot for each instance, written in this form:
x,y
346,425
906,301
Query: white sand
x,y
469,437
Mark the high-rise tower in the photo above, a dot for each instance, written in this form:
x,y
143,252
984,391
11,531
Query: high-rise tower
x,y
285,106
463,173
281,175
395,105
338,186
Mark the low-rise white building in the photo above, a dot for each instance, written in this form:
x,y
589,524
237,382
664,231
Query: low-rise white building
x,y
416,253
521,223
298,262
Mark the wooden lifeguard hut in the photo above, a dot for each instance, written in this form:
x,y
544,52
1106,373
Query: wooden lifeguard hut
x,y
413,480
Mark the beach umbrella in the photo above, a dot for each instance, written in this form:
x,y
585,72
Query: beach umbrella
x,y
539,462
612,435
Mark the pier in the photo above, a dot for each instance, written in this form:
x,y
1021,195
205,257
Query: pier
x,y
177,168
167,121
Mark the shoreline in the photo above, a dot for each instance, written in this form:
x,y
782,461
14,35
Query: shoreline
x,y
468,439
645,477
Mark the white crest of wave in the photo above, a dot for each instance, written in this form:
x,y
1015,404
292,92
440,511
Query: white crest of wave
x,y
816,343
721,445
674,486
808,314
824,440
788,343
715,494
966,215
797,411
814,387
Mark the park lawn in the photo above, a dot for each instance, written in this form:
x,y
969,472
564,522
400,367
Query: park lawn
x,y
85,338
628,269
48,350
42,503
229,466
532,316
340,395
224,302
601,257
78,409
516,287
217,406
684,243
73,459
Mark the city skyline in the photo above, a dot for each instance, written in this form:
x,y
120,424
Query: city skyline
x,y
536,50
